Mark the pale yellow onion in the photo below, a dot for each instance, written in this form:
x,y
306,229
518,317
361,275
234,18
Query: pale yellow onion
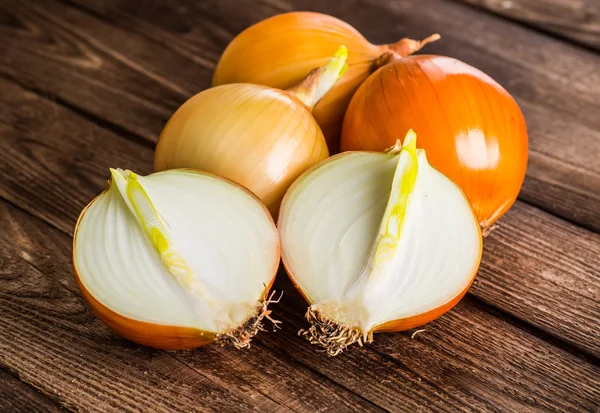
x,y
260,137
280,50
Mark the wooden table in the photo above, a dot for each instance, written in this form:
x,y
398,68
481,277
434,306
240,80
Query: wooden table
x,y
88,84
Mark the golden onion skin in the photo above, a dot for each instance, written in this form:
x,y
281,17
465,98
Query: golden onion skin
x,y
257,136
472,129
281,50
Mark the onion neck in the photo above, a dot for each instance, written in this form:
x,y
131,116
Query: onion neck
x,y
321,79
402,48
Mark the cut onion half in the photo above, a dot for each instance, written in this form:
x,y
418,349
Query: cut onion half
x,y
177,259
377,242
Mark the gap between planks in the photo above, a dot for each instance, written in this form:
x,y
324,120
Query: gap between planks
x,y
19,396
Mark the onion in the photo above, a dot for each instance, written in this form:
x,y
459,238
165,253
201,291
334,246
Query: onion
x,y
177,259
377,242
472,129
280,50
260,137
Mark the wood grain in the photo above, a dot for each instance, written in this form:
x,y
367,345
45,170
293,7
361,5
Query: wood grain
x,y
18,397
68,63
396,373
546,272
149,59
574,20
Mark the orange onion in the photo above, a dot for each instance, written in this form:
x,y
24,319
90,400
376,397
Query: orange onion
x,y
258,136
280,50
472,129
177,259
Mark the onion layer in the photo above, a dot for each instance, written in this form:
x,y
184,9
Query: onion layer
x,y
153,258
280,50
377,242
472,129
260,137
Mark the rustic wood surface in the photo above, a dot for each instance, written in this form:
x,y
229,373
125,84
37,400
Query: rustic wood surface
x,y
89,84
574,20
17,396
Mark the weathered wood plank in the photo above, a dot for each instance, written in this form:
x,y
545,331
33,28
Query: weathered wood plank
x,y
380,376
18,397
546,272
136,74
44,51
466,351
574,20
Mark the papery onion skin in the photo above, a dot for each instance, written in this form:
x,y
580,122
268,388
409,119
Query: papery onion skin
x,y
280,50
472,129
158,336
260,137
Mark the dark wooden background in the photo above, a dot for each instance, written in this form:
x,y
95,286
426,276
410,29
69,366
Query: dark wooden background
x,y
88,84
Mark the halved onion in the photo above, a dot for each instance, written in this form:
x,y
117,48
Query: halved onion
x,y
177,259
377,242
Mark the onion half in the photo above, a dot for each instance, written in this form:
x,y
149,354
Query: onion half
x,y
177,259
377,242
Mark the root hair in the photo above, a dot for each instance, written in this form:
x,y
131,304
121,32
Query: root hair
x,y
241,336
331,336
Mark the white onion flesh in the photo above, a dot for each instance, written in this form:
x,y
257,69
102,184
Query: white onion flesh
x,y
328,225
223,233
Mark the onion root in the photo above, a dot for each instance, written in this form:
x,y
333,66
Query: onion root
x,y
331,336
241,337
